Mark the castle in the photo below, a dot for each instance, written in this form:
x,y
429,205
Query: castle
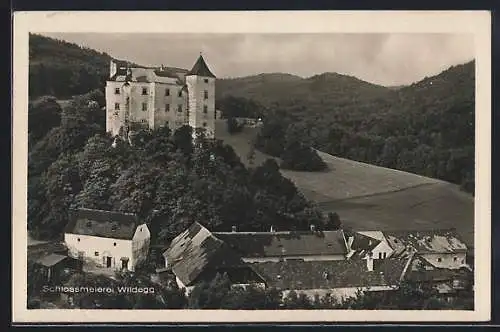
x,y
154,97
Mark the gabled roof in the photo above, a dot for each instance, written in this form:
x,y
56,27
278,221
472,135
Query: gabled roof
x,y
426,241
303,275
169,75
273,244
109,224
195,251
200,68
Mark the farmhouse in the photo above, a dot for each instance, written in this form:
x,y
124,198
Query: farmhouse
x,y
153,97
362,244
107,239
441,248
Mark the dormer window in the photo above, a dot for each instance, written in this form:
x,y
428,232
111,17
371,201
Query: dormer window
x,y
144,91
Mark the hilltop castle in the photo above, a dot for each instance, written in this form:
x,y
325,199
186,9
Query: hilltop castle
x,y
153,97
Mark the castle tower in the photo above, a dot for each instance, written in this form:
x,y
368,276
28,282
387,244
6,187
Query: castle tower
x,y
201,98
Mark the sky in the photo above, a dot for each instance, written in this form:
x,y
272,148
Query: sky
x,y
385,59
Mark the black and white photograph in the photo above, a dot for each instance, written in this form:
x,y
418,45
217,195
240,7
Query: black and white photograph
x,y
203,170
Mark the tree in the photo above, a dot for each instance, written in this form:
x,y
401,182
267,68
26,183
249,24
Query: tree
x,y
43,114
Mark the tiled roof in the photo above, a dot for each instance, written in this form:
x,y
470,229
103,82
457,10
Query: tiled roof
x,y
272,244
200,68
195,251
426,241
303,275
110,224
170,75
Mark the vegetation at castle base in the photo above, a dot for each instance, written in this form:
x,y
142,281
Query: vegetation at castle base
x,y
162,177
425,128
63,69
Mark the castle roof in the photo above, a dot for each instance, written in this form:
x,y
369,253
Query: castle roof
x,y
200,68
110,224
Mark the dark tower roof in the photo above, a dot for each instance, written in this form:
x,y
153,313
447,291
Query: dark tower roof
x,y
200,68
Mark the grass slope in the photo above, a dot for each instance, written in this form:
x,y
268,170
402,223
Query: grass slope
x,y
369,197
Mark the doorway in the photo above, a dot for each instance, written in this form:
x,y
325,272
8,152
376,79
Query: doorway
x,y
124,263
108,261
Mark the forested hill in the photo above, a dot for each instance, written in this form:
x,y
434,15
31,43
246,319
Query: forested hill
x,y
425,128
63,69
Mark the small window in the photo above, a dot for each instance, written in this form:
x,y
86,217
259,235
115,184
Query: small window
x,y
385,255
78,239
114,244
117,91
167,92
144,106
167,107
96,253
439,259
180,93
205,94
455,259
179,108
205,109
117,106
379,255
144,91
204,124
205,80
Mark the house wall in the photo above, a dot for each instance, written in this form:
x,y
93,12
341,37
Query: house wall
x,y
340,293
383,247
105,247
181,286
196,101
140,245
448,260
305,258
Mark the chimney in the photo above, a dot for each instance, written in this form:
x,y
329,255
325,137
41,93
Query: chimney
x,y
350,241
369,262
313,228
233,229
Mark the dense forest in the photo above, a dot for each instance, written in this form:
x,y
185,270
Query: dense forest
x,y
425,128
61,69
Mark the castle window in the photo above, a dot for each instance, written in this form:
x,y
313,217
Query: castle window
x,y
96,253
204,124
117,91
455,259
144,106
205,94
206,80
379,255
167,92
439,259
167,107
78,239
114,244
205,109
180,93
144,91
117,106
179,108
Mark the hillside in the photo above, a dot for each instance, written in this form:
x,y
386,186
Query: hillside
x,y
368,197
425,128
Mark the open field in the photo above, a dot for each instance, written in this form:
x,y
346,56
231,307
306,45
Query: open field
x,y
369,197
